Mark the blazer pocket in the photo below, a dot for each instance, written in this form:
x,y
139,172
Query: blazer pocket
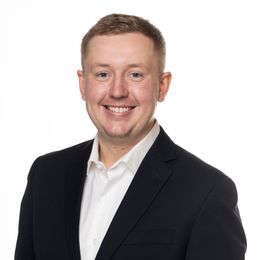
x,y
148,237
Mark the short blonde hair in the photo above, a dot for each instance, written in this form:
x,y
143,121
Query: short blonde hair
x,y
120,24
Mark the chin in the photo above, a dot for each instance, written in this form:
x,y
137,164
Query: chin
x,y
118,133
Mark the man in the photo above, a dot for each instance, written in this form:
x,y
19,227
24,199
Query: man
x,y
130,193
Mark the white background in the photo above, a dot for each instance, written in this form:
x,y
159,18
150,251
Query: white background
x,y
211,110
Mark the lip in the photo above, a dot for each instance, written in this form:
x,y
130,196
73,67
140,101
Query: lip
x,y
118,110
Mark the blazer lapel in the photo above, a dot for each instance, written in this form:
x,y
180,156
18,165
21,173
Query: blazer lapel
x,y
75,179
152,174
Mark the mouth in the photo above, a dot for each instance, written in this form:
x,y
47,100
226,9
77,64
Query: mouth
x,y
119,109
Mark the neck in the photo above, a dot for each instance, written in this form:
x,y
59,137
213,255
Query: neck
x,y
109,153
112,149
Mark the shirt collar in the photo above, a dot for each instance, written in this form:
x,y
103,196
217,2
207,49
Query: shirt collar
x,y
94,156
135,156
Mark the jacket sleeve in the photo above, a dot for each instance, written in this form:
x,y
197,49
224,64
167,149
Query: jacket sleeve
x,y
24,245
218,233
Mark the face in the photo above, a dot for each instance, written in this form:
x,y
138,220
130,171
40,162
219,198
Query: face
x,y
121,86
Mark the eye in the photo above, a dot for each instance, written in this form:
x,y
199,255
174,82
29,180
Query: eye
x,y
137,76
102,75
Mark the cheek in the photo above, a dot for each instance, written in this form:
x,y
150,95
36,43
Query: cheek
x,y
94,93
146,94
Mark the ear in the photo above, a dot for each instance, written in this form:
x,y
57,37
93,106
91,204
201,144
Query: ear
x,y
81,84
165,82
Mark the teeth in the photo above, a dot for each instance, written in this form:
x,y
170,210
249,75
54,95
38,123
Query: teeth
x,y
119,109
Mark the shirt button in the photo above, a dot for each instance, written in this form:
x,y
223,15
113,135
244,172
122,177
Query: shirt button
x,y
94,241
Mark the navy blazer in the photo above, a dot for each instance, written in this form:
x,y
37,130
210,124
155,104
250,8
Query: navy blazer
x,y
176,208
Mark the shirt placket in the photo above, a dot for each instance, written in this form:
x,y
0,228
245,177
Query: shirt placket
x,y
99,188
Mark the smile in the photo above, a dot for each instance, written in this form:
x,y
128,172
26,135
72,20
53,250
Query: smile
x,y
119,109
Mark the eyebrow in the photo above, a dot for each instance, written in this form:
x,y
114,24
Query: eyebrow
x,y
100,65
136,65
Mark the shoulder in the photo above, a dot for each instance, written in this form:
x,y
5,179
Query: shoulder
x,y
70,153
196,166
189,168
57,162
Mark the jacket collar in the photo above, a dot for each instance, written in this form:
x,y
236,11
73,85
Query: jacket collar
x,y
154,173
75,179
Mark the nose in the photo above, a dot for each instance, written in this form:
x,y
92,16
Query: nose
x,y
118,88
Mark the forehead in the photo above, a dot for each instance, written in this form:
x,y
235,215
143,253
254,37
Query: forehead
x,y
121,45
122,38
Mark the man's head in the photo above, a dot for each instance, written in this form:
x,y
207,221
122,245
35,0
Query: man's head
x,y
121,82
114,24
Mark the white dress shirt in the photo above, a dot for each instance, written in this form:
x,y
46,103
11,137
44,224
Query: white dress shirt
x,y
104,190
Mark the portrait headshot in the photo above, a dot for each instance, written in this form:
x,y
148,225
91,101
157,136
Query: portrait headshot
x,y
128,144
